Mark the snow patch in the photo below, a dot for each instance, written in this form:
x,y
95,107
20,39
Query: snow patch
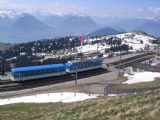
x,y
141,77
112,95
65,97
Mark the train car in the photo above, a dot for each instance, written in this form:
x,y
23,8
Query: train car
x,y
83,65
35,72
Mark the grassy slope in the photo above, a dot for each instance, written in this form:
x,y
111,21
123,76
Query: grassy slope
x,y
4,46
131,107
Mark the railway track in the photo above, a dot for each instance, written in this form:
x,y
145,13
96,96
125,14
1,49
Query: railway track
x,y
5,82
132,60
126,64
15,86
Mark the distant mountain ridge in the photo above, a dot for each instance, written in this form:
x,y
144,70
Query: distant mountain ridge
x,y
70,24
23,27
26,27
151,27
105,31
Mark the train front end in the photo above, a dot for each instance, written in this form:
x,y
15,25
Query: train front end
x,y
83,65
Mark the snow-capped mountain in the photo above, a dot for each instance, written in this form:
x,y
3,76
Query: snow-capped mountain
x,y
17,26
27,22
24,27
8,14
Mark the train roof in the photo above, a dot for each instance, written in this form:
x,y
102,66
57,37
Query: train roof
x,y
83,60
32,68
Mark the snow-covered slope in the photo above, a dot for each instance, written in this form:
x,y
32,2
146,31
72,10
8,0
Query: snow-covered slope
x,y
138,41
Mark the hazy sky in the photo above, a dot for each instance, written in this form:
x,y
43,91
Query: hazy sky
x,y
121,8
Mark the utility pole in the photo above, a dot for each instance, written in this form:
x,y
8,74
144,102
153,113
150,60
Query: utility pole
x,y
120,59
97,49
1,66
76,80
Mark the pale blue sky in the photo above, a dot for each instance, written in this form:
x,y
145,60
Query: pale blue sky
x,y
120,8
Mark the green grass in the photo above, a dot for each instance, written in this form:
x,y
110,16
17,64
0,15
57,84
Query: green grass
x,y
144,106
155,83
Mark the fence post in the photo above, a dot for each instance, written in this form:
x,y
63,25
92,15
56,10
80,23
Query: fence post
x,y
134,90
117,91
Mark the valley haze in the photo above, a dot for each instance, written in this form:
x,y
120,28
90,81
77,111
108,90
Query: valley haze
x,y
25,21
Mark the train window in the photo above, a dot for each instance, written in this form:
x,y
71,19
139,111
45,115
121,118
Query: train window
x,y
86,64
29,73
34,72
18,74
38,72
62,69
49,70
89,63
58,69
42,71
24,74
81,65
45,71
53,70
15,74
92,63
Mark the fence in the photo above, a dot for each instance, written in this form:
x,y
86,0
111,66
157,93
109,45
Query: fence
x,y
111,90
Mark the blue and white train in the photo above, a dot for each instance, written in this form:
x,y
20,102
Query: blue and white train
x,y
83,65
44,71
